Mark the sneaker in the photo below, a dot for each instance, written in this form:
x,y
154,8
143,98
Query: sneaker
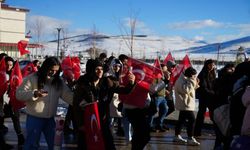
x,y
179,139
192,141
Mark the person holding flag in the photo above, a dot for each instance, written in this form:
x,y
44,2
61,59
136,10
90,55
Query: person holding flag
x,y
10,111
9,108
41,92
3,88
135,103
91,89
159,100
170,68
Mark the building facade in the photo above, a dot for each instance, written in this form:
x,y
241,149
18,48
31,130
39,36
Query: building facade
x,y
12,29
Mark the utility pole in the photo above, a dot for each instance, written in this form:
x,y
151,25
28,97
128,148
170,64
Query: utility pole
x,y
218,55
58,39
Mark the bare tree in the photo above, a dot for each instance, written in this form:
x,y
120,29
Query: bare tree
x,y
92,42
128,32
37,29
65,41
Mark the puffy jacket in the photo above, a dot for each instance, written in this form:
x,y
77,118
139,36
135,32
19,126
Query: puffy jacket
x,y
185,93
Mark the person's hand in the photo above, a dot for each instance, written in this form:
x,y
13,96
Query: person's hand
x,y
197,80
40,93
131,78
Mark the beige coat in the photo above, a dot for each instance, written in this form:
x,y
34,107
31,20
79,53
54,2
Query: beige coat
x,y
43,107
184,90
245,129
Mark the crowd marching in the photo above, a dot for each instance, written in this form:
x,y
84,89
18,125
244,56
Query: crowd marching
x,y
130,93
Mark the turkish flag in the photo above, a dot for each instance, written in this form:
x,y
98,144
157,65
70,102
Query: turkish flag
x,y
144,76
71,67
21,45
16,80
76,67
168,57
28,69
3,79
92,127
157,63
185,63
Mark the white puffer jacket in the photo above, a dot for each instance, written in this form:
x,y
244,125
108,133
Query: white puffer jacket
x,y
184,90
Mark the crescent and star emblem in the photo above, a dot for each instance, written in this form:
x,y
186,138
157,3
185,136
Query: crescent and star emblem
x,y
139,71
92,122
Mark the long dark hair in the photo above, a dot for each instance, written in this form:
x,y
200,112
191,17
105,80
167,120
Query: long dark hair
x,y
43,72
206,72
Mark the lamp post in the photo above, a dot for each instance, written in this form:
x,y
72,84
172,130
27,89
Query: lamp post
x,y
58,39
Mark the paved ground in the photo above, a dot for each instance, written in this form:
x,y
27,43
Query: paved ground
x,y
159,141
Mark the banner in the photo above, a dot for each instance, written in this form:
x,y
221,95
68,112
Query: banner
x,y
92,127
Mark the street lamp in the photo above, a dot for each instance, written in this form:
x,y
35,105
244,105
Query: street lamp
x,y
58,30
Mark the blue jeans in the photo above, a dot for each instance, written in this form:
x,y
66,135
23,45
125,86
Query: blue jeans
x,y
162,107
34,127
127,127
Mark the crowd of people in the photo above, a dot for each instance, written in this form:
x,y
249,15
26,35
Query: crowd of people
x,y
43,86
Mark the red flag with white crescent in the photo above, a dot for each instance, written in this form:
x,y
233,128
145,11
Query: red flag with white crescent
x,y
71,67
21,45
144,76
76,67
28,69
185,63
92,127
16,80
157,63
168,57
3,78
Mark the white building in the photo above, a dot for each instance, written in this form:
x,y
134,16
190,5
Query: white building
x,y
12,29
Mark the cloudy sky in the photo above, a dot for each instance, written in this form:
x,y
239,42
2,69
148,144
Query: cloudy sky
x,y
209,20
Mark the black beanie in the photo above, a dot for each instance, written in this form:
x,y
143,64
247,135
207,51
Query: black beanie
x,y
92,64
190,71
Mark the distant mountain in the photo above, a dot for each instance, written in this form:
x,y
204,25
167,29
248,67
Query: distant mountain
x,y
227,49
149,46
